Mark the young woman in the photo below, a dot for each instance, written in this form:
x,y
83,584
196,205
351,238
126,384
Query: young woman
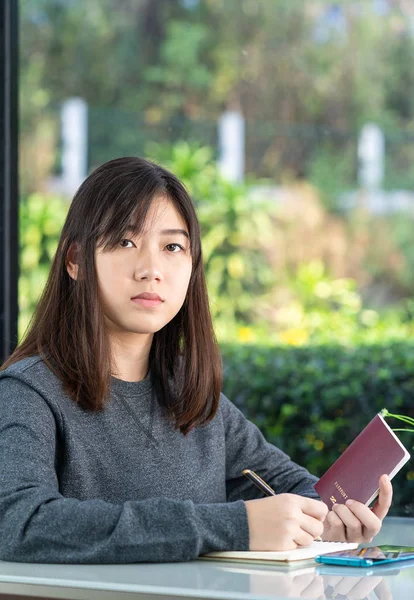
x,y
116,444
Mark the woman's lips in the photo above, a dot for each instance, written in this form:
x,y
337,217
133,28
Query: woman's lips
x,y
147,300
146,303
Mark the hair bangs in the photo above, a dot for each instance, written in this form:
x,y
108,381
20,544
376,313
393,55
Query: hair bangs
x,y
127,215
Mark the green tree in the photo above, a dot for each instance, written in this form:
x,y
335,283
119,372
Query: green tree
x,y
234,229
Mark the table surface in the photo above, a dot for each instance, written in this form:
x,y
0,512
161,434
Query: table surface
x,y
216,580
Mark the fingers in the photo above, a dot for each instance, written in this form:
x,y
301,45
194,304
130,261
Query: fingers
x,y
334,529
275,522
357,588
310,520
313,508
352,524
312,526
383,503
302,537
354,521
369,521
307,585
382,591
360,523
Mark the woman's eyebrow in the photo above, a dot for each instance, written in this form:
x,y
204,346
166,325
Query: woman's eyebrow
x,y
165,231
175,232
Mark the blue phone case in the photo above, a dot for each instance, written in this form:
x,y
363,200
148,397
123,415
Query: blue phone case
x,y
341,571
328,559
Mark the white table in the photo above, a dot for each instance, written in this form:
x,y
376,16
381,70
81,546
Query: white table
x,y
218,580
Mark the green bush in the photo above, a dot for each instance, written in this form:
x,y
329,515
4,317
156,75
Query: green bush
x,y
233,228
313,401
339,366
40,222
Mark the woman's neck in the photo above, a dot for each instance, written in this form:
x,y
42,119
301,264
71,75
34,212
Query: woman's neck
x,y
130,356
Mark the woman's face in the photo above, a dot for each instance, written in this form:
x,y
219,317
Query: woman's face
x,y
157,263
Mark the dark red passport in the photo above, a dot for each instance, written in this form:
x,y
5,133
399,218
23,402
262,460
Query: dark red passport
x,y
376,450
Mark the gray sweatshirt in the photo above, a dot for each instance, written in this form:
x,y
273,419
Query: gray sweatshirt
x,y
122,485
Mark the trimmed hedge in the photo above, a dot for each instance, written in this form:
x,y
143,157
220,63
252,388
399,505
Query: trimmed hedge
x,y
313,401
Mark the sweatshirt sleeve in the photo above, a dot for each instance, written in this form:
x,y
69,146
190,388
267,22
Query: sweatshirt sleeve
x,y
38,524
246,448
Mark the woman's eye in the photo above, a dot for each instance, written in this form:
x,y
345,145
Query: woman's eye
x,y
127,241
174,247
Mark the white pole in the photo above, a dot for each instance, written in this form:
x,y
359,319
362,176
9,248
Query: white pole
x,y
231,129
371,151
75,144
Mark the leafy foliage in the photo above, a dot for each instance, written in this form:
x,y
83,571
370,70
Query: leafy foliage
x,y
305,83
165,70
40,222
313,401
234,228
403,418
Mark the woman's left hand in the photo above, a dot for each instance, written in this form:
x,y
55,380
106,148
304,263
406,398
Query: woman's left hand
x,y
355,522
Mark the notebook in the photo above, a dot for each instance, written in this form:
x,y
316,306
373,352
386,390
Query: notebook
x,y
302,553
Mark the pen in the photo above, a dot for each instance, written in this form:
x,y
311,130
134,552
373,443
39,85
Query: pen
x,y
258,482
264,487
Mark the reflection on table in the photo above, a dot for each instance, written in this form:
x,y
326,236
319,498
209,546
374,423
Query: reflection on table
x,y
319,582
219,579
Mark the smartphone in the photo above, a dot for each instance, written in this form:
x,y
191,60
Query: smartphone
x,y
368,557
387,569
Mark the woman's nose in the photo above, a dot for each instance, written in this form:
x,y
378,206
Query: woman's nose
x,y
148,269
149,274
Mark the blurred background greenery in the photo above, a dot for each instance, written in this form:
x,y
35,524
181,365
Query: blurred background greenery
x,y
311,284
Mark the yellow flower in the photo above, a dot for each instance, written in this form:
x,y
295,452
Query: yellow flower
x,y
246,334
294,337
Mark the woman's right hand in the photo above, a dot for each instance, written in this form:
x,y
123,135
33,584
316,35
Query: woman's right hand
x,y
284,522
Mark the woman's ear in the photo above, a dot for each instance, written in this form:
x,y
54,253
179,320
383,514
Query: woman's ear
x,y
72,265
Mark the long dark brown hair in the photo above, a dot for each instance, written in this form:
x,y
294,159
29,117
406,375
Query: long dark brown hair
x,y
68,329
